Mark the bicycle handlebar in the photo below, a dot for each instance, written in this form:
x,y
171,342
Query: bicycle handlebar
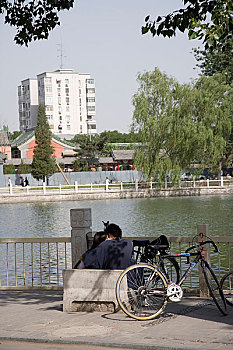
x,y
202,243
198,245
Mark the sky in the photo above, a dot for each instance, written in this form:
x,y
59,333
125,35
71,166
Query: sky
x,y
103,38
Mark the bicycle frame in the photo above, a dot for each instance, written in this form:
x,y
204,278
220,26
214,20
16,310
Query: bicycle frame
x,y
198,257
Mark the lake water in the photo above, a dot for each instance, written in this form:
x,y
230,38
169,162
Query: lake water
x,y
139,217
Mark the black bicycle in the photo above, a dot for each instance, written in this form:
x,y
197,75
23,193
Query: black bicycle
x,y
226,284
156,253
143,291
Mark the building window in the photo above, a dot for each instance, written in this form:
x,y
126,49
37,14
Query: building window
x,y
81,118
67,91
90,91
68,127
90,81
49,108
66,81
80,92
91,108
67,108
67,100
48,80
48,89
81,129
91,99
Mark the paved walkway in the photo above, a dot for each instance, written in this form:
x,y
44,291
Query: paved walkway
x,y
34,316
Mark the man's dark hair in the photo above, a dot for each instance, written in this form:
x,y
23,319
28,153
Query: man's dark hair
x,y
113,230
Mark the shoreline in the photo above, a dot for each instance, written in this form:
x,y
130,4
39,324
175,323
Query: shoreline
x,y
103,195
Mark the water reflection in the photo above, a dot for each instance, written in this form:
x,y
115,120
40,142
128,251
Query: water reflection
x,y
139,217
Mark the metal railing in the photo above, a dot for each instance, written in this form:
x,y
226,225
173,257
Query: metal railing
x,y
33,263
37,263
113,187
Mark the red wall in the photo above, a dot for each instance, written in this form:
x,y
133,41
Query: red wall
x,y
58,149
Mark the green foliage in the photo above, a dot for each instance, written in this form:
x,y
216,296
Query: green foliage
x,y
24,168
8,169
216,61
77,165
181,123
62,165
89,149
13,135
118,137
214,117
43,165
33,19
207,20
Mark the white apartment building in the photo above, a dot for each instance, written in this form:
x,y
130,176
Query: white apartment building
x,y
28,103
69,100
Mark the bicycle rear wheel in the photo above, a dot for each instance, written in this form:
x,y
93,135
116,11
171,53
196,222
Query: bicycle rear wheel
x,y
141,292
214,287
226,284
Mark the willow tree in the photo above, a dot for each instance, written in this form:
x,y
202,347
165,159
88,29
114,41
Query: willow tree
x,y
163,118
43,164
214,118
180,124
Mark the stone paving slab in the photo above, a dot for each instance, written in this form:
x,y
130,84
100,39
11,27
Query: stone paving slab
x,y
194,323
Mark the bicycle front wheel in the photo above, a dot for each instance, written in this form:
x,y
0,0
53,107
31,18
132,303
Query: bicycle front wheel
x,y
214,287
141,292
226,284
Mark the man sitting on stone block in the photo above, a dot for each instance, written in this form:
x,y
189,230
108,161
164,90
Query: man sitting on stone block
x,y
112,254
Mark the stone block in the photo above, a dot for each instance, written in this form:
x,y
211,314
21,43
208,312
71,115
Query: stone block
x,y
90,290
80,218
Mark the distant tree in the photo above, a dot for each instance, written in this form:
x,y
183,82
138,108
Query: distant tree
x,y
8,169
207,20
214,118
163,119
89,150
13,135
77,165
182,124
24,168
43,164
118,137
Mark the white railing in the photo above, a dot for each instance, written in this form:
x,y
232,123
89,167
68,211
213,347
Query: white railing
x,y
112,187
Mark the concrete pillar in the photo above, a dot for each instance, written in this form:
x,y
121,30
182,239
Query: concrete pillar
x,y
221,181
194,183
151,185
208,182
60,188
165,183
10,189
203,233
76,186
44,188
81,222
136,184
91,187
121,186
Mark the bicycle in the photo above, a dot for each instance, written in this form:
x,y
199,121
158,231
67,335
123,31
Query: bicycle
x,y
143,291
155,253
226,284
